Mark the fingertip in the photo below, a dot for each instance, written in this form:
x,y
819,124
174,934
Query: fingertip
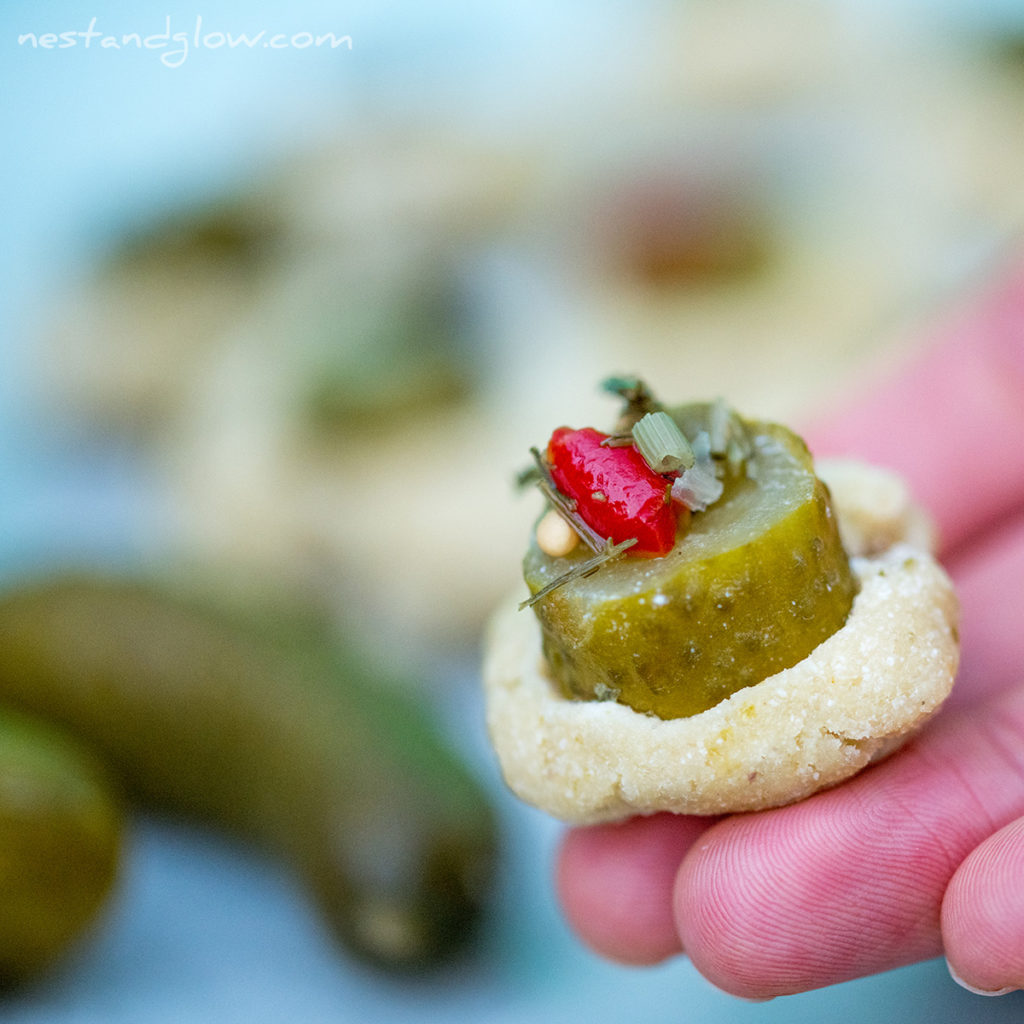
x,y
615,884
973,989
724,902
983,915
834,888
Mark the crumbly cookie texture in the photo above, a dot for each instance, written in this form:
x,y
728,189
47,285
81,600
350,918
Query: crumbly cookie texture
x,y
854,699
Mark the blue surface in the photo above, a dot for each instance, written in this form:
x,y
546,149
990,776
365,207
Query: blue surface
x,y
203,929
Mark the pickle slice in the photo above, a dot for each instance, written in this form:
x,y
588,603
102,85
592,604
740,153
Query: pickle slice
x,y
752,586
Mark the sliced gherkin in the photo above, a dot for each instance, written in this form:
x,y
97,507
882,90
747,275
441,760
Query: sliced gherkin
x,y
753,585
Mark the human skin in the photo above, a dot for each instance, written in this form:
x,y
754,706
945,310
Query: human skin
x,y
922,854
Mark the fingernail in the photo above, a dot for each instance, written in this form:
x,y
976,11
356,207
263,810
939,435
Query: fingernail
x,y
752,999
748,999
978,991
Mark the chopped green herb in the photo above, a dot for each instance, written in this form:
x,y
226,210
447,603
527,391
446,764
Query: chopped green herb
x,y
736,456
662,444
719,426
527,477
638,398
588,568
629,388
728,438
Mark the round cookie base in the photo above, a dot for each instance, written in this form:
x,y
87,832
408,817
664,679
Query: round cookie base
x,y
853,700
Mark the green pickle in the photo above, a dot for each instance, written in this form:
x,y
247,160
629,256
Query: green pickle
x,y
754,583
256,721
60,845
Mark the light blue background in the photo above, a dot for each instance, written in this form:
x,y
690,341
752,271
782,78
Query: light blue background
x,y
203,929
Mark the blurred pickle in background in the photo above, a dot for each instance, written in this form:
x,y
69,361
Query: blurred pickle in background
x,y
60,846
246,713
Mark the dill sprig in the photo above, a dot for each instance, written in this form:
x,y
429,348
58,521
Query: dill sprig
x,y
637,396
607,554
565,507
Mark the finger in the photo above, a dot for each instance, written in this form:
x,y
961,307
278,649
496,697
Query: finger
x,y
615,883
983,914
615,880
950,420
850,882
990,583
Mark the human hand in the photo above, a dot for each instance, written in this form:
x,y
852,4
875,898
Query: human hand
x,y
922,854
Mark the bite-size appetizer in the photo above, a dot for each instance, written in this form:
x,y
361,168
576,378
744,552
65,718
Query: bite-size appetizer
x,y
713,629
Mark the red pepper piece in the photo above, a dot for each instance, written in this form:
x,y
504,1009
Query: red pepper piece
x,y
616,491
